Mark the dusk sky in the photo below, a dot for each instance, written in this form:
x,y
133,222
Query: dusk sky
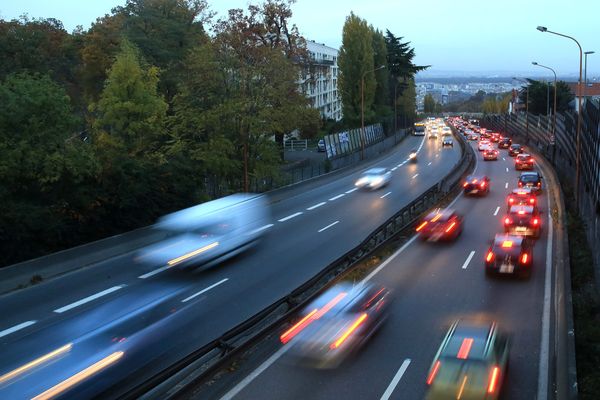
x,y
493,37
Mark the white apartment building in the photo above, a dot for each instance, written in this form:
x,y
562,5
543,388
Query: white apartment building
x,y
319,80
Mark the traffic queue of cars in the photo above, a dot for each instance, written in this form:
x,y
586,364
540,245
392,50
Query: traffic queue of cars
x,y
471,361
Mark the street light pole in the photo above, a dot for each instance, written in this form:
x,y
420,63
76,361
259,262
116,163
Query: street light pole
x,y
553,137
585,73
362,110
579,110
526,108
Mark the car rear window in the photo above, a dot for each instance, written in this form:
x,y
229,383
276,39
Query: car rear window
x,y
529,178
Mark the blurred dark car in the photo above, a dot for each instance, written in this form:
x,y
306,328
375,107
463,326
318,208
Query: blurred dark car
x,y
523,161
515,149
504,143
509,254
440,225
523,220
321,146
470,363
476,185
531,180
336,324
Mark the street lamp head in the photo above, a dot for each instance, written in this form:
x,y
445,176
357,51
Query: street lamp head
x,y
589,52
542,28
534,63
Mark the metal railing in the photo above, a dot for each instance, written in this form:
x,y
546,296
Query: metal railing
x,y
177,378
295,144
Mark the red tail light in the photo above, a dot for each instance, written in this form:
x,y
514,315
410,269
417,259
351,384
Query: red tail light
x,y
520,184
465,348
507,221
539,183
524,258
511,200
466,184
495,374
449,229
532,201
359,321
299,326
433,373
535,221
482,184
490,256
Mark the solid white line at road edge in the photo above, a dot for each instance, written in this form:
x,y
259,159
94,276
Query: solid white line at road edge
x,y
328,226
542,393
214,285
316,206
16,328
290,217
88,299
466,264
390,389
252,376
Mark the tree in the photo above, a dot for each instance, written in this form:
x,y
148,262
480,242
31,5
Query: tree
x,y
538,96
130,110
406,105
44,168
429,104
164,31
355,62
382,77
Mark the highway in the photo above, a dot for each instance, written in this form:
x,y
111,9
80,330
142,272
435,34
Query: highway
x,y
434,285
115,323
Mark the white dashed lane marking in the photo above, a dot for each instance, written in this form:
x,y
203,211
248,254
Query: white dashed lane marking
x,y
415,176
316,206
385,195
88,299
351,190
466,264
290,217
337,197
205,290
16,328
496,212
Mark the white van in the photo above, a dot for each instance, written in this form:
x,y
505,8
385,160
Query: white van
x,y
209,233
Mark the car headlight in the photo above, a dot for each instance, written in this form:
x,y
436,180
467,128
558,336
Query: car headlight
x,y
377,181
361,182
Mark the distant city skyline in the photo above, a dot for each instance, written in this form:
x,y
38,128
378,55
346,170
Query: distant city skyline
x,y
464,37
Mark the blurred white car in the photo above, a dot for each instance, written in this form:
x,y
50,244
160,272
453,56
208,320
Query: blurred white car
x,y
209,233
374,178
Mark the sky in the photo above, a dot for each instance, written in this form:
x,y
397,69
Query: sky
x,y
459,37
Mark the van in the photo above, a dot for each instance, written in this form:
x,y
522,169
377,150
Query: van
x,y
209,233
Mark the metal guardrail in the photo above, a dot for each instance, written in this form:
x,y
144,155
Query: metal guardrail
x,y
177,378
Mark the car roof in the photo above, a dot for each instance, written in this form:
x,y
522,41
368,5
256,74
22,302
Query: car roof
x,y
529,173
469,340
515,145
344,296
473,177
524,155
374,171
444,215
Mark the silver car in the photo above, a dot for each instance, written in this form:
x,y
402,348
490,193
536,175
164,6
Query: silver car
x,y
209,233
374,178
447,141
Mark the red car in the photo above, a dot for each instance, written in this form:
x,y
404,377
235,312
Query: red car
x,y
440,225
490,154
523,220
521,197
523,161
